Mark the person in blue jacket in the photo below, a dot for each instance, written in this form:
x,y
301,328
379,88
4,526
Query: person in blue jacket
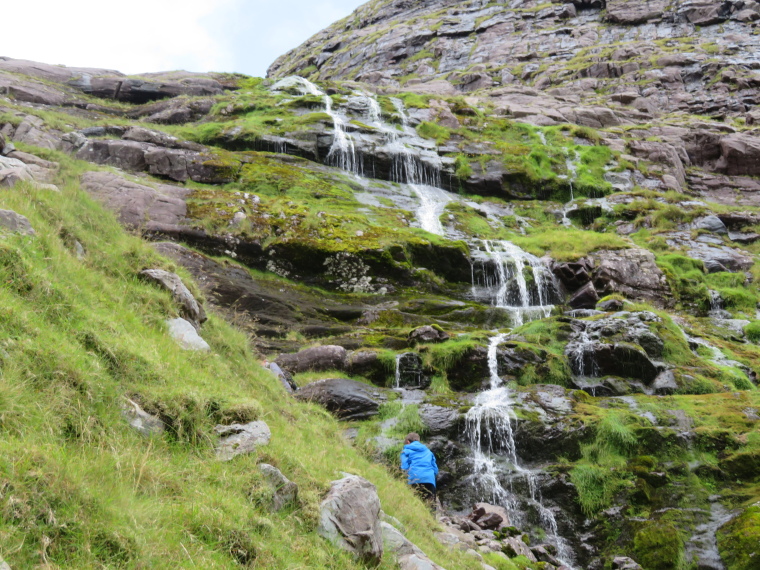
x,y
419,463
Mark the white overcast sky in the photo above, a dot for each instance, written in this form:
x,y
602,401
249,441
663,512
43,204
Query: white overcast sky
x,y
242,36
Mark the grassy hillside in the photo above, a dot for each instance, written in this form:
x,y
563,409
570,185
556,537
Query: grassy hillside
x,y
78,487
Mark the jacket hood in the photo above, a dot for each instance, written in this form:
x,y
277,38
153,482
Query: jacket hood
x,y
415,447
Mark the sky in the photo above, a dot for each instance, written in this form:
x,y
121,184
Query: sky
x,y
243,36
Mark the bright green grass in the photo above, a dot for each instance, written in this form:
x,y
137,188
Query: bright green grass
x,y
79,488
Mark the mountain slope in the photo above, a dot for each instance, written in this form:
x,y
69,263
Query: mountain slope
x,y
578,258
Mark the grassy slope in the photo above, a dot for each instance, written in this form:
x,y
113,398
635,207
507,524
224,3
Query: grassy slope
x,y
79,488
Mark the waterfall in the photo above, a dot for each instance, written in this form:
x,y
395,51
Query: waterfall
x,y
424,180
342,152
489,432
572,168
582,356
501,280
397,383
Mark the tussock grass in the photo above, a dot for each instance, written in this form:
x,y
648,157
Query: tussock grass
x,y
78,487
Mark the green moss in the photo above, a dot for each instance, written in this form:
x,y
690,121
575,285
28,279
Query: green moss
x,y
438,133
659,546
567,244
752,331
739,540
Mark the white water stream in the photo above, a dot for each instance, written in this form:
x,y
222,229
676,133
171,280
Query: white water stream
x,y
490,435
501,279
507,286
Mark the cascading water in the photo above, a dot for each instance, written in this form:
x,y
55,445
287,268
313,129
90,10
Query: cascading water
x,y
501,279
494,453
342,152
508,277
424,180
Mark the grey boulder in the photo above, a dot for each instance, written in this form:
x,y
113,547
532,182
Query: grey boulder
x,y
16,223
315,359
186,336
284,491
350,518
138,207
427,334
191,309
408,555
239,439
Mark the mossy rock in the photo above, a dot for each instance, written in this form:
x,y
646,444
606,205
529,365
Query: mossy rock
x,y
739,541
659,546
742,466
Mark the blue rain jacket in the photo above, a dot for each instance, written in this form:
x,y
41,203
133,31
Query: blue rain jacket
x,y
420,462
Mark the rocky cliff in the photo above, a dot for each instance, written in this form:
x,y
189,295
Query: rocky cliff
x,y
528,231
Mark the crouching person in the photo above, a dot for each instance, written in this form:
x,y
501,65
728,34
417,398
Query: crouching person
x,y
419,463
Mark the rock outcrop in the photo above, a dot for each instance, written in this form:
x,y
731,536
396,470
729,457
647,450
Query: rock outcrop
x,y
350,518
191,309
347,399
237,439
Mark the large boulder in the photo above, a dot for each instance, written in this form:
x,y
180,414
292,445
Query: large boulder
x,y
740,155
315,359
346,399
239,439
145,90
427,334
624,12
191,309
179,164
350,518
632,273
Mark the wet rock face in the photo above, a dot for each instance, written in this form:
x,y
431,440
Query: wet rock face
x,y
471,371
620,345
410,373
347,399
629,272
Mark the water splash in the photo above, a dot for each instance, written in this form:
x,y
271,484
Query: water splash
x,y
342,152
